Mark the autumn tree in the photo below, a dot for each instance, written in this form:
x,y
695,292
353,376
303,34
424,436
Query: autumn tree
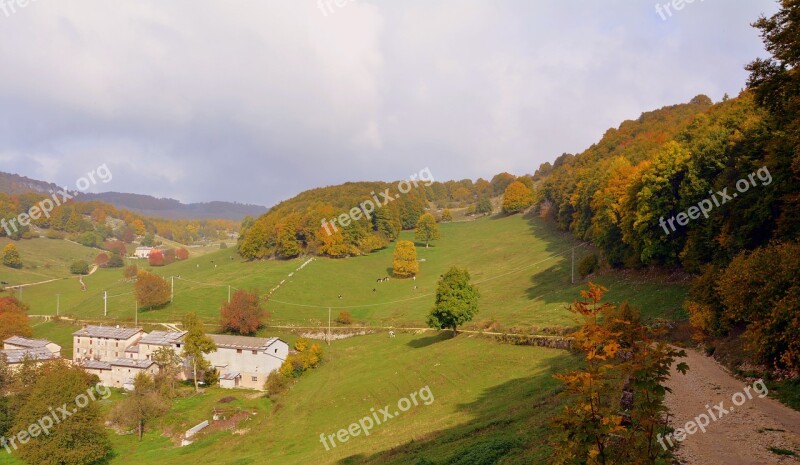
x,y
151,290
243,314
77,439
142,405
456,301
11,256
101,259
196,344
427,230
156,257
13,319
447,216
517,197
404,263
614,405
182,253
130,272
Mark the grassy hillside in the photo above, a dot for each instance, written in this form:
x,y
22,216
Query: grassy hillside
x,y
44,259
489,400
521,266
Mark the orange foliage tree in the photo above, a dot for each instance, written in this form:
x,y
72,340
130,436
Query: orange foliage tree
x,y
243,314
151,290
13,318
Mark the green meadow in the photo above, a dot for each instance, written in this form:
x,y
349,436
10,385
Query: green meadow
x,y
521,266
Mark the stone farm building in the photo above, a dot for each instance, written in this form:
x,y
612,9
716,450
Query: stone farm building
x,y
117,355
16,350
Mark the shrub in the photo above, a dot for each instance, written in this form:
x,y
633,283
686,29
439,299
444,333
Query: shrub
x,y
130,271
54,235
115,261
182,254
588,265
344,318
276,384
79,267
101,259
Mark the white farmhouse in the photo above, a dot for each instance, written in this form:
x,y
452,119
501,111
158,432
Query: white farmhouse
x,y
119,373
245,362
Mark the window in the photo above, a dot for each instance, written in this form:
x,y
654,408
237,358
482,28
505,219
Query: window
x,y
238,351
276,351
255,352
255,379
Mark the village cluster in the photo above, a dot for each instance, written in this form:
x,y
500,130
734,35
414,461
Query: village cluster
x,y
116,355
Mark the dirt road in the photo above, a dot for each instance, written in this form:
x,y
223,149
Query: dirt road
x,y
743,436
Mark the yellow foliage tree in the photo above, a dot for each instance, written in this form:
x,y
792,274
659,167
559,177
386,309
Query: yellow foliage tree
x,y
404,264
517,197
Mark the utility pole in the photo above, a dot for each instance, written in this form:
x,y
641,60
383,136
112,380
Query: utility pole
x,y
329,326
229,293
105,303
573,265
20,293
136,325
172,289
58,303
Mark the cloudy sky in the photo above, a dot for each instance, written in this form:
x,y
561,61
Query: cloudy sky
x,y
256,101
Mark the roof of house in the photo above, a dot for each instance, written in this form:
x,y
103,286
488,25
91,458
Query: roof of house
x,y
231,376
96,365
131,363
108,332
19,355
134,349
27,343
162,338
242,342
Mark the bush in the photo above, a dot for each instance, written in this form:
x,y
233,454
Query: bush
x,y
54,235
79,267
115,261
130,271
276,384
588,265
344,318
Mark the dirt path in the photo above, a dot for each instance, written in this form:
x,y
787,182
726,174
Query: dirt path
x,y
741,437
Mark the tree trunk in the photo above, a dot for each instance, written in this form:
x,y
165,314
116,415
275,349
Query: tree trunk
x,y
455,331
196,386
141,429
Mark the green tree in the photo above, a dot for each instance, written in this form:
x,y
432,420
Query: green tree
x,y
78,439
141,406
484,206
170,366
517,197
196,344
79,267
11,257
404,262
456,301
427,230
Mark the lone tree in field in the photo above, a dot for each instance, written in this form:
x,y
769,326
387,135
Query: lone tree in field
x,y
517,197
404,264
151,290
243,314
427,230
79,267
196,344
11,256
447,216
456,301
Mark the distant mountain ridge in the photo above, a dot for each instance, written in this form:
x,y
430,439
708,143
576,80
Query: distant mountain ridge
x,y
147,205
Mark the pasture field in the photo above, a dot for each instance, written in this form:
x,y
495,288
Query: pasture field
x,y
44,259
520,265
490,400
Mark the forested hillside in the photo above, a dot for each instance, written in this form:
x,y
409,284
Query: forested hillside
x,y
711,188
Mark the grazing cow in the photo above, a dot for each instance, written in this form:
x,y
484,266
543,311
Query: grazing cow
x,y
340,296
391,333
378,280
373,289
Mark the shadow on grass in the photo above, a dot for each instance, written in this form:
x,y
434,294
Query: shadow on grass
x,y
509,423
426,341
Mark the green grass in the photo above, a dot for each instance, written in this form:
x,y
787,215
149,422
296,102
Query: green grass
x,y
520,265
44,259
486,396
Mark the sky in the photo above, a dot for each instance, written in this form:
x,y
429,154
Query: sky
x,y
257,101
